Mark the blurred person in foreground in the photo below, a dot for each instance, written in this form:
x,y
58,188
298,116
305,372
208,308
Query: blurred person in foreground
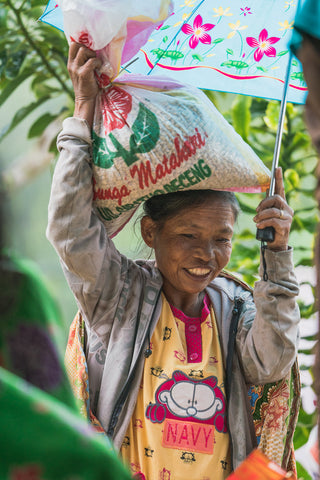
x,y
42,434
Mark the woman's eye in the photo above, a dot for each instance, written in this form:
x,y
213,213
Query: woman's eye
x,y
224,240
187,235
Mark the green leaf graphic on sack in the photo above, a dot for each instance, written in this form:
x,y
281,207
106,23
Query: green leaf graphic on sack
x,y
144,137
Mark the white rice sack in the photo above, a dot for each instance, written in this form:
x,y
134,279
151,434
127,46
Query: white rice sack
x,y
154,136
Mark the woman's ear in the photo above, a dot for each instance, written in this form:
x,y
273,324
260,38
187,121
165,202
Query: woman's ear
x,y
148,229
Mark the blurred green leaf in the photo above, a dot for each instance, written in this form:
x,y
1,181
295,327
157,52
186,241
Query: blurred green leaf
x,y
14,63
11,86
241,115
300,140
20,115
271,117
53,146
302,473
292,180
40,125
3,18
308,183
3,60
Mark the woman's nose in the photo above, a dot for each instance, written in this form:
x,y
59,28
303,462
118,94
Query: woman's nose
x,y
205,251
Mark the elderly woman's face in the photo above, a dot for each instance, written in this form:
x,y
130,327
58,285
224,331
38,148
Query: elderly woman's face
x,y
191,248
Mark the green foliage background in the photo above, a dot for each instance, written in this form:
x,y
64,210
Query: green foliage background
x,y
35,54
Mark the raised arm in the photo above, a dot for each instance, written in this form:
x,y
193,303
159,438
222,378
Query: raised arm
x,y
267,338
90,261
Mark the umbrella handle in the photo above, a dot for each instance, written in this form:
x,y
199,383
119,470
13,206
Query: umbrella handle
x,y
267,234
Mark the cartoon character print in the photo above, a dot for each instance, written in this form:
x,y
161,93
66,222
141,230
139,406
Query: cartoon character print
x,y
182,397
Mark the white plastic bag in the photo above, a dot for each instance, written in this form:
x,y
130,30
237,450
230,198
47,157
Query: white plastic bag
x,y
116,29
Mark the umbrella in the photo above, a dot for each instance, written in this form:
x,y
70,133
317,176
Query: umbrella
x,y
240,47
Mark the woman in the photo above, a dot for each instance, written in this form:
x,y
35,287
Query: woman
x,y
171,345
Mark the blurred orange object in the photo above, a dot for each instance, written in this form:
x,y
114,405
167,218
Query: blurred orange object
x,y
258,467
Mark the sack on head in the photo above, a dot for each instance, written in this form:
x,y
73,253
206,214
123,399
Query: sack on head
x,y
151,135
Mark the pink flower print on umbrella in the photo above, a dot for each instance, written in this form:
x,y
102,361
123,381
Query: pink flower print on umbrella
x,y
116,105
264,45
245,11
198,32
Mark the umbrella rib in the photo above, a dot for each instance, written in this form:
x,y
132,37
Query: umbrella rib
x,y
173,39
46,13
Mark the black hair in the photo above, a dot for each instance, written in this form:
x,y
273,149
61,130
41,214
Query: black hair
x,y
162,207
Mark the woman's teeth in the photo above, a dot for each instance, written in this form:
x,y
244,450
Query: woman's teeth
x,y
199,271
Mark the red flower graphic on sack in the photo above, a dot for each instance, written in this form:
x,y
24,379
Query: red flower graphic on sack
x,y
102,79
116,105
264,45
198,32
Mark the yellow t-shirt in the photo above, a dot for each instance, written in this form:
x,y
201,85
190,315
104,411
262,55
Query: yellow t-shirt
x,y
178,428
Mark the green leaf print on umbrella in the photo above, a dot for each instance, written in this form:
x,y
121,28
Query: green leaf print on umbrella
x,y
145,134
173,54
297,76
235,63
197,56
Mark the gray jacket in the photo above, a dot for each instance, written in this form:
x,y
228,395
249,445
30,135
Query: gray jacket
x,y
120,302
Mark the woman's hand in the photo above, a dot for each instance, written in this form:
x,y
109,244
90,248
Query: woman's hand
x,y
275,212
81,65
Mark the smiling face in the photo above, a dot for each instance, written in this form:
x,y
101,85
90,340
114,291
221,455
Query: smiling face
x,y
191,249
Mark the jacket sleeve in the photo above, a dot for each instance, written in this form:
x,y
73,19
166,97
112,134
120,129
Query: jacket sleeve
x,y
89,258
268,332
